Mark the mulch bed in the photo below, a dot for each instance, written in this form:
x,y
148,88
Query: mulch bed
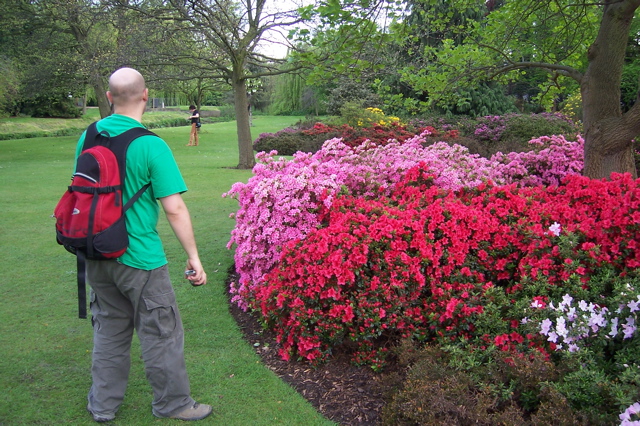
x,y
342,392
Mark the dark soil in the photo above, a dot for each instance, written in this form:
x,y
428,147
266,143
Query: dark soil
x,y
342,392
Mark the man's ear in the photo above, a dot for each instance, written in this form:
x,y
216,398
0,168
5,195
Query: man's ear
x,y
145,94
110,97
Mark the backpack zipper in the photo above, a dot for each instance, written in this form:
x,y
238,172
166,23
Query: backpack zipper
x,y
87,177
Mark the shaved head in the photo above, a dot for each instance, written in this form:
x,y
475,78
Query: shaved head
x,y
127,93
126,86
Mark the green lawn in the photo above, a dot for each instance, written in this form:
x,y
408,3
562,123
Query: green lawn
x,y
45,349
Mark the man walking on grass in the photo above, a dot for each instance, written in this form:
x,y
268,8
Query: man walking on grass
x,y
134,291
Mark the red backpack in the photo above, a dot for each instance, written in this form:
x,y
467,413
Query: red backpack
x,y
90,215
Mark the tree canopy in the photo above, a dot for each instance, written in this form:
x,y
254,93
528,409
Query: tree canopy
x,y
457,56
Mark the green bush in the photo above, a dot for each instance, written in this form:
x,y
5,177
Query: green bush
x,y
522,128
228,111
167,122
71,131
478,384
290,143
351,91
58,107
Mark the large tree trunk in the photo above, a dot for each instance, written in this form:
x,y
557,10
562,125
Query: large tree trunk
x,y
609,133
101,96
245,143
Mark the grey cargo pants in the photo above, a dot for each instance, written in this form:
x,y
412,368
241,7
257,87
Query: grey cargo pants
x,y
124,298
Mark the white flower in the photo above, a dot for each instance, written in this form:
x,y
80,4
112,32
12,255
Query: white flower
x,y
614,327
555,229
596,321
566,300
561,327
545,326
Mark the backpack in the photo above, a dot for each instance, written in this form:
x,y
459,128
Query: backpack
x,y
90,221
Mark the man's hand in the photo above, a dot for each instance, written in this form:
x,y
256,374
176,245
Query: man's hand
x,y
199,277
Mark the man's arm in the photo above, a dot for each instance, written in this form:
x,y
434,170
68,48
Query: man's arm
x,y
178,216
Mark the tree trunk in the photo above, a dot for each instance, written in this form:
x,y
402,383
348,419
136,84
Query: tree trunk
x,y
101,95
245,142
609,133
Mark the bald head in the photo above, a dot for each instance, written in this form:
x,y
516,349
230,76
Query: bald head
x,y
127,92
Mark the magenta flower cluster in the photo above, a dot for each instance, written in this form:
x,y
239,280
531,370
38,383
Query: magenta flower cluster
x,y
491,128
552,160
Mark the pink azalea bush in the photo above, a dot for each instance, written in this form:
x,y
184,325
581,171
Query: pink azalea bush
x,y
554,159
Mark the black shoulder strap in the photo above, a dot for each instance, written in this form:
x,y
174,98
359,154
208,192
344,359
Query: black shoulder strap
x,y
90,137
82,288
119,145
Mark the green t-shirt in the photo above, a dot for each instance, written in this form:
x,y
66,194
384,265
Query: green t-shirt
x,y
149,159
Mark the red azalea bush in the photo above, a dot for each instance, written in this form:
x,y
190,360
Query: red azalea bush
x,y
289,141
431,264
377,133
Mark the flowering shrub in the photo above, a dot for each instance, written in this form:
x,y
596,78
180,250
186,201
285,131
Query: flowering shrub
x,y
572,107
553,159
491,128
421,262
377,116
353,114
377,134
574,325
289,141
280,202
263,136
360,246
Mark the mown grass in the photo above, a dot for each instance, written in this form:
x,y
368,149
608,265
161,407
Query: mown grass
x,y
45,350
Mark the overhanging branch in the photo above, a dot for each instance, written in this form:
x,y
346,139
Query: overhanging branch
x,y
559,69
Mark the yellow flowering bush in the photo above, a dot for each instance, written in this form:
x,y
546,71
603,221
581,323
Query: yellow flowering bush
x,y
572,107
373,116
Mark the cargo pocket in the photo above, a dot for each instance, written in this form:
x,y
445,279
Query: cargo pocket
x,y
95,310
161,317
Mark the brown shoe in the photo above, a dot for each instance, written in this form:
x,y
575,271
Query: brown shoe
x,y
195,412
